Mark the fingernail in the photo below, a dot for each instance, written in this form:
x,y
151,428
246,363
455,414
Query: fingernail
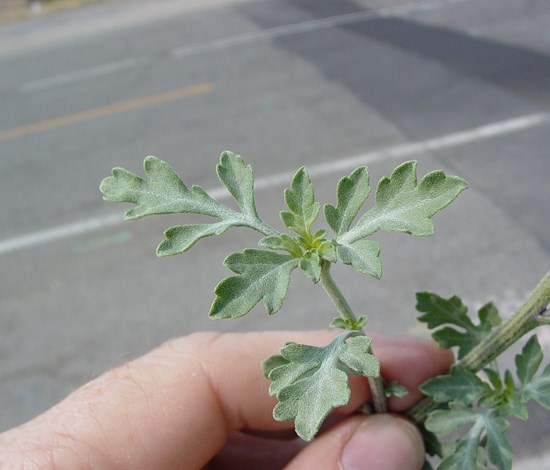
x,y
384,442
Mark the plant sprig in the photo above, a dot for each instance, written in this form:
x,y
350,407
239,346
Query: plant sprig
x,y
482,405
309,381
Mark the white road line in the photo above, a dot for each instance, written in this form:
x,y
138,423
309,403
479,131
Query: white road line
x,y
83,74
236,40
454,139
308,26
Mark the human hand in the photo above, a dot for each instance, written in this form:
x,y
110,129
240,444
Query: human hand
x,y
201,402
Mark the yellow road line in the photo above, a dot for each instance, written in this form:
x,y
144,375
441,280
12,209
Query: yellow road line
x,y
103,111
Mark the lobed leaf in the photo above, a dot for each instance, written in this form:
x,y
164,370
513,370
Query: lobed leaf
x,y
300,200
271,363
327,250
498,447
402,205
261,275
312,380
459,385
238,178
311,265
182,237
363,256
462,333
487,430
529,360
538,389
165,193
351,193
282,242
443,422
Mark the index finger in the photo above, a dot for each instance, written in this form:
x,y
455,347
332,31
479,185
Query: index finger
x,y
175,406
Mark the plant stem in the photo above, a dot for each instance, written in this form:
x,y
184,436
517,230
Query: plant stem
x,y
530,315
523,321
376,384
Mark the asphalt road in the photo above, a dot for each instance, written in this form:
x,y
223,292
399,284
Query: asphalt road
x,y
458,85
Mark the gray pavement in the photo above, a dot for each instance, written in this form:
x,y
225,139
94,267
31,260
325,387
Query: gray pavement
x,y
458,85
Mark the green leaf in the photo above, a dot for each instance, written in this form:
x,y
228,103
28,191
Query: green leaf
x,y
402,205
357,356
529,360
443,422
431,441
498,447
314,380
462,333
439,311
513,405
238,178
165,193
363,256
327,250
261,275
271,363
494,378
488,315
349,324
351,193
460,385
300,200
311,265
282,242
485,424
538,389
182,237
395,389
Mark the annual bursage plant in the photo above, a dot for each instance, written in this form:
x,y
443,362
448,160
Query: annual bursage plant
x,y
472,402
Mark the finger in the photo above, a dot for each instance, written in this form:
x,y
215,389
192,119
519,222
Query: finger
x,y
250,452
176,405
381,442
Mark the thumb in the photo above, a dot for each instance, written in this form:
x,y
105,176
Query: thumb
x,y
378,442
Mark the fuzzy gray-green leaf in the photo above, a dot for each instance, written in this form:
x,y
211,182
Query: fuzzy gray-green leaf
x,y
351,193
238,178
314,380
271,363
402,205
311,265
163,193
300,199
282,242
363,256
327,250
261,275
182,237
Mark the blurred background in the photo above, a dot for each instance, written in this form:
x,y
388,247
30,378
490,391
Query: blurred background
x,y
459,85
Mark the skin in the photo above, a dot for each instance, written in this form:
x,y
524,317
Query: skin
x,y
201,401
